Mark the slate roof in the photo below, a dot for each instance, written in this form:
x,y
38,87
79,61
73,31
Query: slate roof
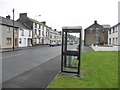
x,y
9,22
115,25
106,26
35,21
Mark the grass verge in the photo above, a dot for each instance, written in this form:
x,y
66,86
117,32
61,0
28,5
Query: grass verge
x,y
100,71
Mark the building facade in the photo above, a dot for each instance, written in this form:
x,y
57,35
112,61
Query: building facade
x,y
24,35
113,35
96,34
38,28
7,33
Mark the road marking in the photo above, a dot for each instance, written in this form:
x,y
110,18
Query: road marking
x,y
11,56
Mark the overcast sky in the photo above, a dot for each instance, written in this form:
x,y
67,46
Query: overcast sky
x,y
58,13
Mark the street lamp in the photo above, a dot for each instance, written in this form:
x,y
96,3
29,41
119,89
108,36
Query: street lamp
x,y
37,16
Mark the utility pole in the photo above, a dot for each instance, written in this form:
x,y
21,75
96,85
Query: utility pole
x,y
13,30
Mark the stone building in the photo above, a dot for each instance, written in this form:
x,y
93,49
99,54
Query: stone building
x,y
96,34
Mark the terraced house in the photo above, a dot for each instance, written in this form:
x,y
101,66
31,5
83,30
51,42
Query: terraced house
x,y
22,34
38,28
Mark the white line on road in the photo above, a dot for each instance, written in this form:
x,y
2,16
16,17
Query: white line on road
x,y
12,55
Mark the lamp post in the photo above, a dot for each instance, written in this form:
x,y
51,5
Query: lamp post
x,y
13,30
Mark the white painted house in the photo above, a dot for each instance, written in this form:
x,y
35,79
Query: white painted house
x,y
38,28
113,37
24,35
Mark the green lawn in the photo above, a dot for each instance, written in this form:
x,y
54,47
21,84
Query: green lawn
x,y
100,71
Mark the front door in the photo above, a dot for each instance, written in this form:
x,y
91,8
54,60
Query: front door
x,y
16,42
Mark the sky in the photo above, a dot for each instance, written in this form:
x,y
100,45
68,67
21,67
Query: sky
x,y
59,13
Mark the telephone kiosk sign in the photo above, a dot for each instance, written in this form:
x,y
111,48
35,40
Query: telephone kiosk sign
x,y
70,58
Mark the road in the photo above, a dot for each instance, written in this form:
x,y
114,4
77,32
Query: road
x,y
17,62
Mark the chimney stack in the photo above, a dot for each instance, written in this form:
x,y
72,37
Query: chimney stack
x,y
8,17
95,22
44,22
23,15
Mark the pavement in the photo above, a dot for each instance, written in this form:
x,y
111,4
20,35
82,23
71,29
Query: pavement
x,y
38,77
21,48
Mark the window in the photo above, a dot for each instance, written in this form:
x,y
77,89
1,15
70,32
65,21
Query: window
x,y
24,40
113,41
8,29
9,40
103,31
110,31
20,41
54,37
113,30
39,40
46,34
15,30
116,29
42,27
29,33
97,28
39,26
91,29
35,31
50,36
22,34
43,33
116,41
35,25
109,40
39,32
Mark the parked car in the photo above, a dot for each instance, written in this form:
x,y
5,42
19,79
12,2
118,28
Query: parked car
x,y
52,44
59,44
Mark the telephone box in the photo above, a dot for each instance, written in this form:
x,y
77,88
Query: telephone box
x,y
71,49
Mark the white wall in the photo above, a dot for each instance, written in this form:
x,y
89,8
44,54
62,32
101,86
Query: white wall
x,y
24,39
110,48
119,35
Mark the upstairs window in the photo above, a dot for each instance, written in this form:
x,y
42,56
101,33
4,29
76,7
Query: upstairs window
x,y
22,32
110,31
8,29
39,26
9,40
42,27
42,33
35,25
39,32
29,33
35,31
113,30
